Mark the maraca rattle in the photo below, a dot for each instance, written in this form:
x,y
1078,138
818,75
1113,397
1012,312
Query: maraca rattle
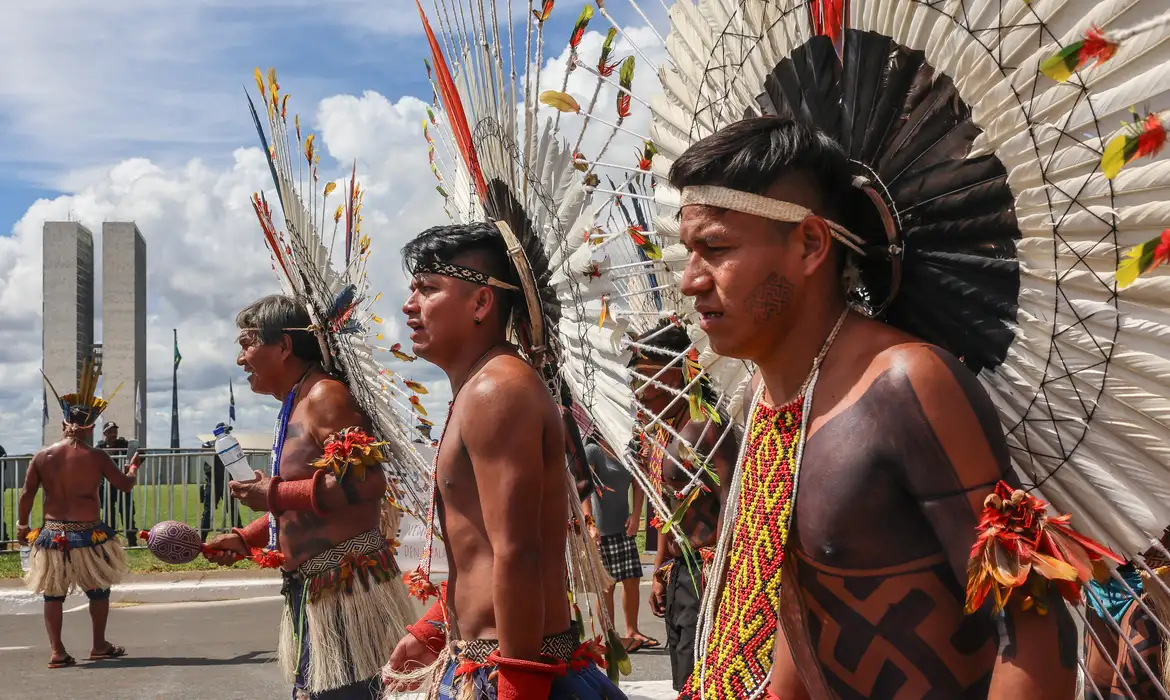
x,y
174,542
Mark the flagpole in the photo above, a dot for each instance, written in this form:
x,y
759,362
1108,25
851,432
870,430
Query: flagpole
x,y
175,396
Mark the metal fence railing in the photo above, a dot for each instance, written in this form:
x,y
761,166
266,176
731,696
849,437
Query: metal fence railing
x,y
183,485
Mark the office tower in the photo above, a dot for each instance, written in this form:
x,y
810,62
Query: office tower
x,y
67,310
124,327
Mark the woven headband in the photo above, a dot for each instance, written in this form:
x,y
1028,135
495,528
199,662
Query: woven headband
x,y
764,207
459,272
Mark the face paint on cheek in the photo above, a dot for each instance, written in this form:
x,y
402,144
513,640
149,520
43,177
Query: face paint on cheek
x,y
768,299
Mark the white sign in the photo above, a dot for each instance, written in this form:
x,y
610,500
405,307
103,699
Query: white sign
x,y
412,534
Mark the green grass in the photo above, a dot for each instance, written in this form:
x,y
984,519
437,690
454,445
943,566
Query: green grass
x,y
152,504
141,562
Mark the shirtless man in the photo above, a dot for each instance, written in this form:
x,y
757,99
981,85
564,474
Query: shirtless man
x,y
502,490
903,446
323,515
74,549
679,576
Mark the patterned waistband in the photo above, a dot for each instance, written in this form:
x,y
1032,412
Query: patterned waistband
x,y
558,646
366,543
67,526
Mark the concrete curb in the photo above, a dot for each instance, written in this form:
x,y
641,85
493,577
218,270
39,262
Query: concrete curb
x,y
17,601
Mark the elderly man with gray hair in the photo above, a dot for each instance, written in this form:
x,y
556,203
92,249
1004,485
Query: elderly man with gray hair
x,y
346,604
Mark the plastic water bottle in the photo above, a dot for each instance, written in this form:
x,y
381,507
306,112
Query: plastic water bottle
x,y
232,455
25,553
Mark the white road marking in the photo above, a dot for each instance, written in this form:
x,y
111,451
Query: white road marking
x,y
14,648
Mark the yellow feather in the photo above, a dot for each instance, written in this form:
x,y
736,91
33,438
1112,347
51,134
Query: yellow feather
x,y
329,187
1113,158
1129,268
561,101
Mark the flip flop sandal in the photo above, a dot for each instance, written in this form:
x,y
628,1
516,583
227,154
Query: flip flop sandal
x,y
633,645
115,652
649,643
62,663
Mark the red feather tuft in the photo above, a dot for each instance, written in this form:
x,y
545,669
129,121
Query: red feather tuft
x,y
1152,138
454,107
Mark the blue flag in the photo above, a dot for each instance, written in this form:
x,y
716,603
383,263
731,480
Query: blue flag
x,y
232,404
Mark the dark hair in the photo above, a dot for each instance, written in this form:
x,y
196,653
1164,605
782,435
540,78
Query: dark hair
x,y
669,336
752,154
482,239
275,316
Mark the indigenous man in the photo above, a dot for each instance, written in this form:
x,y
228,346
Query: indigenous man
x,y
614,525
900,448
501,489
345,602
74,549
679,573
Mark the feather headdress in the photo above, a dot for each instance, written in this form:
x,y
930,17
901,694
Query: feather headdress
x,y
83,407
338,300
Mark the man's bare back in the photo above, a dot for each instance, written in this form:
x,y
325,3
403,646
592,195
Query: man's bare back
x,y
903,446
71,475
505,404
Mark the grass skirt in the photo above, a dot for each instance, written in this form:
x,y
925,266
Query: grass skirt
x,y
74,557
346,609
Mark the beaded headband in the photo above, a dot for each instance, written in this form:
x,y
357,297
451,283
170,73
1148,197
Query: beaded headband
x,y
764,207
459,272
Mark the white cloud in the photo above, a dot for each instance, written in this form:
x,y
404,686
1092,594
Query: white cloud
x,y
205,254
206,260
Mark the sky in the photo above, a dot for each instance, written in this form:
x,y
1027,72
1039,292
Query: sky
x,y
135,110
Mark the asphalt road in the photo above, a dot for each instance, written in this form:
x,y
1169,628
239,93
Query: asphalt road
x,y
224,650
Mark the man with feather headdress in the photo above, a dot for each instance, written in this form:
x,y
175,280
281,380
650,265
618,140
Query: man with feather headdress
x,y
74,550
894,460
345,604
503,626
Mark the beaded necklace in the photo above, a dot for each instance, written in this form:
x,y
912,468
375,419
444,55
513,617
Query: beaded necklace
x,y
278,448
796,413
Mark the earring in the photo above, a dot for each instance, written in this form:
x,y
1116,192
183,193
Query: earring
x,y
478,320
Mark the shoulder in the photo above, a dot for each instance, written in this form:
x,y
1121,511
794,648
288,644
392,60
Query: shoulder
x,y
507,381
936,377
329,394
507,393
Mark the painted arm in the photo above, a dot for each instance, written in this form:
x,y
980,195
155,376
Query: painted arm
x,y
509,401
329,409
1037,655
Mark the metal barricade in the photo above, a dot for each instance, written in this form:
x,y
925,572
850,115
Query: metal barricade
x,y
183,485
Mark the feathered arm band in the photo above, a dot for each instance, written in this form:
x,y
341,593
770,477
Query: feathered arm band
x,y
1021,546
349,449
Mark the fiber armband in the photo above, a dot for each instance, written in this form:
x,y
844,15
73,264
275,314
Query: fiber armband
x,y
255,534
294,495
431,628
520,679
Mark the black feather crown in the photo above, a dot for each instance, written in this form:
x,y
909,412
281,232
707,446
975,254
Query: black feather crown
x,y
533,321
951,276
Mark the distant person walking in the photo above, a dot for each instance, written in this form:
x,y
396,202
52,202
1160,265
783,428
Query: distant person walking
x,y
614,528
74,550
116,446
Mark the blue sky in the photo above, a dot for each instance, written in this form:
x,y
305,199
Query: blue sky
x,y
135,110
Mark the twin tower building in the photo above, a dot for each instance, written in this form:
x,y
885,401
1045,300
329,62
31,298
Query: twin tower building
x,y
69,334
